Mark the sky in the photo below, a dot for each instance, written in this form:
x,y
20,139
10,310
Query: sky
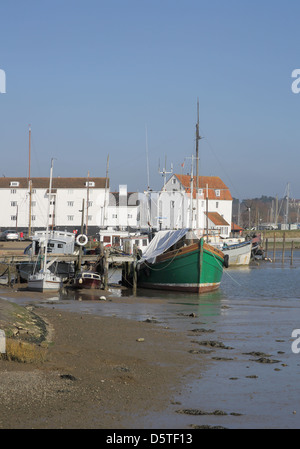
x,y
119,80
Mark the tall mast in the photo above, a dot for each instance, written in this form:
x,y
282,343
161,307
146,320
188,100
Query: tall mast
x,y
48,212
87,203
30,186
197,164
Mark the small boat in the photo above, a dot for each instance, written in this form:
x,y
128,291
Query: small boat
x,y
44,280
239,253
87,279
179,261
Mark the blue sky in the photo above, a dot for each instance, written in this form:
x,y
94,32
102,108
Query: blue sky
x,y
92,76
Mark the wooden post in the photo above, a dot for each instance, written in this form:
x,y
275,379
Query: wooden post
x,y
283,247
9,275
105,269
292,252
134,269
274,247
266,246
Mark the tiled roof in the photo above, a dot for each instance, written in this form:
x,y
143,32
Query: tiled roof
x,y
57,183
217,219
213,182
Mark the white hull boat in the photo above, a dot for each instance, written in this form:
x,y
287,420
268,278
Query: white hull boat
x,y
239,254
44,281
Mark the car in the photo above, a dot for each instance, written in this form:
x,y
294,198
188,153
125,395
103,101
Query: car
x,y
9,235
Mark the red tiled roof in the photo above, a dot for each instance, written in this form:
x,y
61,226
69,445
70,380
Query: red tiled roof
x,y
212,183
217,219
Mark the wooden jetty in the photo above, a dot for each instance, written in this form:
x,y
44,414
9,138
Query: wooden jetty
x,y
11,257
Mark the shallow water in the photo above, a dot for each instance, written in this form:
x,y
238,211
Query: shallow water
x,y
255,310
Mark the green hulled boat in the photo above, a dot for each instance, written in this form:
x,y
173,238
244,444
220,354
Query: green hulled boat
x,y
175,262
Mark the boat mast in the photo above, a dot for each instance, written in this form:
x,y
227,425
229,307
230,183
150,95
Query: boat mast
x,y
29,181
87,203
198,137
192,193
48,212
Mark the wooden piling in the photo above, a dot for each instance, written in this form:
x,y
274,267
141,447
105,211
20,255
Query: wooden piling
x,y
134,270
105,269
292,252
274,247
283,247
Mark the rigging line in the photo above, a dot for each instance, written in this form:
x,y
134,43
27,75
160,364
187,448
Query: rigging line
x,y
160,269
221,165
240,285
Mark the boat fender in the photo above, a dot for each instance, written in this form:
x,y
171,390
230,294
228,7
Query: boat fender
x,y
226,261
81,239
80,281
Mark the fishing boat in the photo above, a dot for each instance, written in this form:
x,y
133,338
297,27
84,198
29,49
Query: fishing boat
x,y
179,261
44,279
87,279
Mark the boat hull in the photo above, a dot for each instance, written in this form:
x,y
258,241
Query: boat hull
x,y
87,280
239,254
41,283
197,268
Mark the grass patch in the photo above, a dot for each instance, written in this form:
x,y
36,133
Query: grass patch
x,y
23,352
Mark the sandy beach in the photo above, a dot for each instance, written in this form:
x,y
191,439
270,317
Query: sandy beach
x,y
99,372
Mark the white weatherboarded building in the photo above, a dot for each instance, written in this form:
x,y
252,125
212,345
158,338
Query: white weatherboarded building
x,y
67,195
178,208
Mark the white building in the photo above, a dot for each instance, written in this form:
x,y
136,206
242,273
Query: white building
x,y
67,195
173,208
214,208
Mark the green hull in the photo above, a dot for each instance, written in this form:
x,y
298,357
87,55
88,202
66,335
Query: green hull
x,y
197,268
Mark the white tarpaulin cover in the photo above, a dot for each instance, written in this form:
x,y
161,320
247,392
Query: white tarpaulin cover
x,y
161,242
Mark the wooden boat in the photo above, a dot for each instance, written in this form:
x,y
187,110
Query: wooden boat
x,y
172,263
87,279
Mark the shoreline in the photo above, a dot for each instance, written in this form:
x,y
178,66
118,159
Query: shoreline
x,y
100,372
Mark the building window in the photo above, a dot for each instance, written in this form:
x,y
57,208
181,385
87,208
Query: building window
x,y
90,203
13,203
13,218
129,216
217,204
70,217
33,203
217,192
173,181
172,204
114,216
90,217
70,203
14,184
13,191
33,217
